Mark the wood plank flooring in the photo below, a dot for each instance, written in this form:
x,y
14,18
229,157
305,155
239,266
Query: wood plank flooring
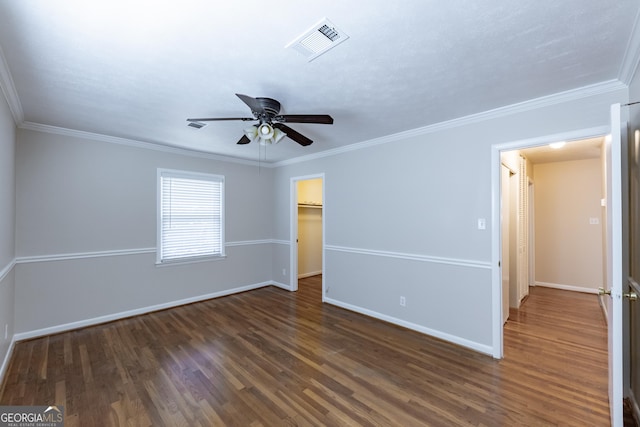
x,y
274,358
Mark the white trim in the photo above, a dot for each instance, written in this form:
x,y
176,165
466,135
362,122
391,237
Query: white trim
x,y
412,257
7,269
496,232
195,260
281,242
310,274
7,359
281,285
482,348
83,255
573,288
250,242
118,252
532,104
156,146
9,90
130,313
549,100
631,57
605,311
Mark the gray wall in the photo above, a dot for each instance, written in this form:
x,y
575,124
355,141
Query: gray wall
x,y
86,232
401,219
7,229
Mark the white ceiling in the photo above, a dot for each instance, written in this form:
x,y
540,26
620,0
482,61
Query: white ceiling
x,y
137,69
590,148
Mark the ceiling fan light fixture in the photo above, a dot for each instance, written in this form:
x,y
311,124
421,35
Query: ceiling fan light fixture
x,y
273,139
266,131
251,132
264,134
278,135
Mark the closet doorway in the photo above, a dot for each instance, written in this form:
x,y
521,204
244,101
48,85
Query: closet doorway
x,y
307,229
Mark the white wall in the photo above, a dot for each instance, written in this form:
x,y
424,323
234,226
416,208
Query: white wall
x,y
569,249
7,231
400,219
86,232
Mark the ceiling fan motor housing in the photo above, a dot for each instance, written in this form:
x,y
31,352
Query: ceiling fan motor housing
x,y
270,107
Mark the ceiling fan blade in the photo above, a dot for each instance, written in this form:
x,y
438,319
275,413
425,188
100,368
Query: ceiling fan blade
x,y
253,103
323,119
295,135
215,119
244,140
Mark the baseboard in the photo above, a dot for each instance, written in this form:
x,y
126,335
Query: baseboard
x,y
481,348
567,287
130,313
281,285
605,312
5,362
313,273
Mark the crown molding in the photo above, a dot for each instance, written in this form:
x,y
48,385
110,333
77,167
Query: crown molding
x,y
9,90
38,127
631,58
532,104
549,100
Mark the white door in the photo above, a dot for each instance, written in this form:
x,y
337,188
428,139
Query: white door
x,y
614,265
504,216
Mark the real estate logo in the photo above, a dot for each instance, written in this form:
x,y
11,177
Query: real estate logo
x,y
31,416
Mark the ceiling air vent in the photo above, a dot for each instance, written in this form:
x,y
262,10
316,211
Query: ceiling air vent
x,y
196,125
318,39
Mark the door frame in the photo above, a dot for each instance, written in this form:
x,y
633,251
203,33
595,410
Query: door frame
x,y
293,229
504,229
496,232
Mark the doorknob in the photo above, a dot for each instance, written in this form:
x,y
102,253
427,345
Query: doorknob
x,y
631,295
602,291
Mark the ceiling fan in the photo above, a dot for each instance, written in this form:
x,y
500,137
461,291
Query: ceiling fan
x,y
271,127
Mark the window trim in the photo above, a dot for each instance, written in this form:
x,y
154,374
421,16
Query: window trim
x,y
195,176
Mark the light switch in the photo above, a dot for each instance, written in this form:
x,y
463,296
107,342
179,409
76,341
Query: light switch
x,y
482,224
594,221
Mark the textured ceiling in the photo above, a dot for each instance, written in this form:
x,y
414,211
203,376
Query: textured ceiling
x,y
573,150
137,69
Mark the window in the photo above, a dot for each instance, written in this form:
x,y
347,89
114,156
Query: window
x,y
190,216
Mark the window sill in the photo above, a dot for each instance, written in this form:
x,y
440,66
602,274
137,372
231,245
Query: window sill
x,y
170,263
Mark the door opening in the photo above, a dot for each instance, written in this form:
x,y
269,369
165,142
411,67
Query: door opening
x,y
612,258
570,253
307,229
497,279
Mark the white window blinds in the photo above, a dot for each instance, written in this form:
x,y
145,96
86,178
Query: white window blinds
x,y
191,216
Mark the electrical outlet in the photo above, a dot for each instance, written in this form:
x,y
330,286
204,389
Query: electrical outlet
x,y
403,301
284,271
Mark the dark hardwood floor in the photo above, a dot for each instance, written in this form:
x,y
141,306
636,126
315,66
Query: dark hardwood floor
x,y
270,357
